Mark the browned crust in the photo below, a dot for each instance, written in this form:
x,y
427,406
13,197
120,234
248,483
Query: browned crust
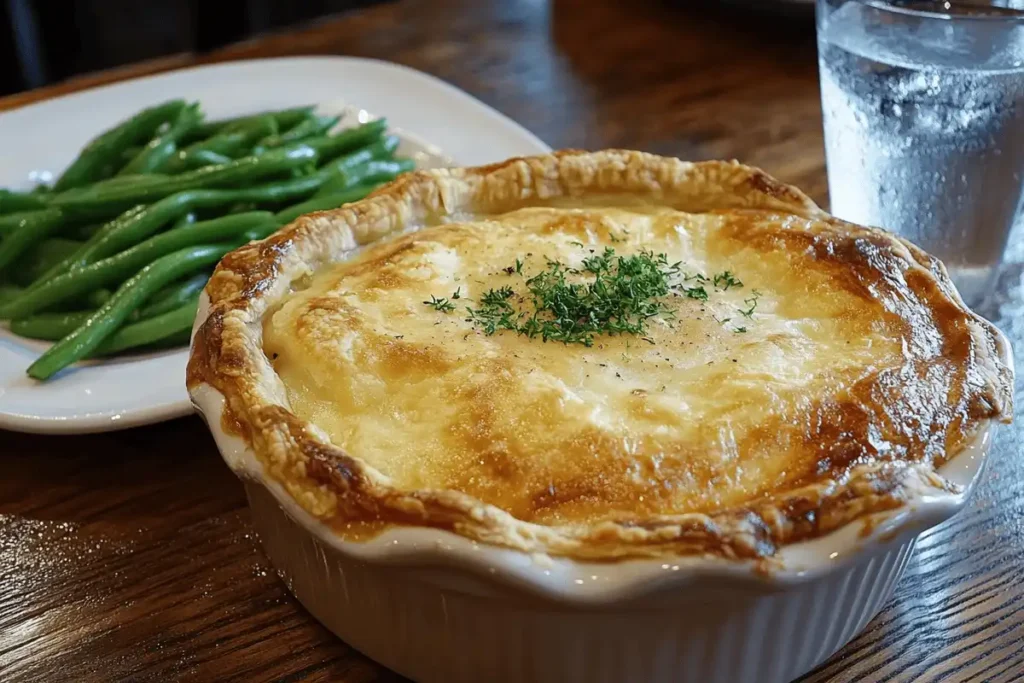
x,y
340,489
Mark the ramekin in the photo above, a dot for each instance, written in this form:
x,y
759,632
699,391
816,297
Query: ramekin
x,y
434,606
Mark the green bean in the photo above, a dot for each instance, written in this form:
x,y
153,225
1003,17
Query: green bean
x,y
289,118
55,326
130,153
174,295
71,260
286,118
150,220
380,171
129,296
135,180
113,270
41,257
369,173
307,185
295,188
242,207
34,227
267,123
188,219
229,144
328,147
9,292
161,148
380,150
85,232
173,340
259,233
314,126
127,230
114,224
205,157
279,191
13,222
322,203
17,202
338,182
97,297
106,148
107,199
154,329
49,326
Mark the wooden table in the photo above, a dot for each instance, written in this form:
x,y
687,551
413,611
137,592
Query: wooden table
x,y
129,556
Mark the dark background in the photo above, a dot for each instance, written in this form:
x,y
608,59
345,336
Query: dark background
x,y
44,41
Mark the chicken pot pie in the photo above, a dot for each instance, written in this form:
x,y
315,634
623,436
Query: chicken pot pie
x,y
597,355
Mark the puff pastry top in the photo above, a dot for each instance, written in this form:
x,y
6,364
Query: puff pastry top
x,y
724,430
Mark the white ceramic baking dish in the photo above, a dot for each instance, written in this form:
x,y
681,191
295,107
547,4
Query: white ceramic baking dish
x,y
434,606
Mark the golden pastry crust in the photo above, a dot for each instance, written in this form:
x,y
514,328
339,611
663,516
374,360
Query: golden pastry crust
x,y
868,446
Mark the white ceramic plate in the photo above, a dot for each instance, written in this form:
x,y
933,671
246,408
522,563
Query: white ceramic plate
x,y
43,138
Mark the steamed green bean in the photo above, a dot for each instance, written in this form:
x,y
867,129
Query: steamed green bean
x,y
129,296
104,151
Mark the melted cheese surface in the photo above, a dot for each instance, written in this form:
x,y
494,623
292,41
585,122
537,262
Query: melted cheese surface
x,y
713,409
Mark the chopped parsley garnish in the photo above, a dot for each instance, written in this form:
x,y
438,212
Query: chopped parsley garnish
x,y
442,304
698,293
751,303
608,294
495,312
596,264
726,279
613,295
496,297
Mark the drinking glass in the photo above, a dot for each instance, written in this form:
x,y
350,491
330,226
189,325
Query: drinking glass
x,y
924,125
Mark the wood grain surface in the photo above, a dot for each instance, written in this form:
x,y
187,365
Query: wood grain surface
x,y
129,556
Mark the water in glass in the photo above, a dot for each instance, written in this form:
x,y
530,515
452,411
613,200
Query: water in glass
x,y
924,128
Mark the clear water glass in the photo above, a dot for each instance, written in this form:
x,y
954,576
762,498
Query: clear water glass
x,y
924,125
